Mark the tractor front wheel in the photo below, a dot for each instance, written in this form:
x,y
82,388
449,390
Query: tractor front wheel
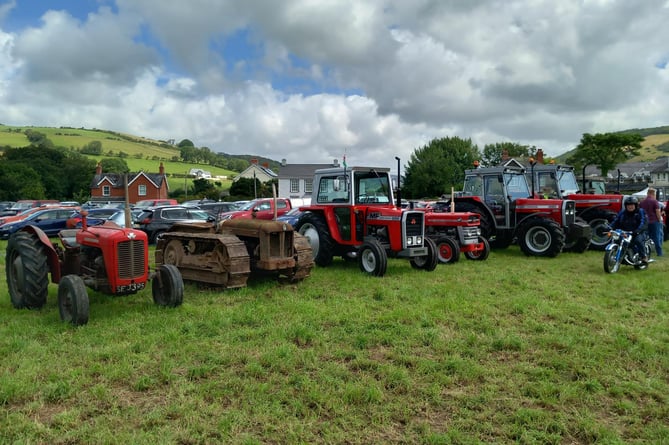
x,y
541,237
599,221
316,230
372,258
73,303
168,286
480,254
448,250
26,269
427,262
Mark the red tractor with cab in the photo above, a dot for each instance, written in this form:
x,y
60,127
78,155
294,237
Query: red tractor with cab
x,y
593,206
106,258
508,211
352,215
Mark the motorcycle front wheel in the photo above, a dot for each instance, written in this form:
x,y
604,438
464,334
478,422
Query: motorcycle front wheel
x,y
611,260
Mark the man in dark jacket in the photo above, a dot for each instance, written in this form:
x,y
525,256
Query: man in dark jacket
x,y
633,219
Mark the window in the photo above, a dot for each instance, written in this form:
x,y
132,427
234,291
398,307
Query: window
x,y
308,185
141,190
294,185
106,190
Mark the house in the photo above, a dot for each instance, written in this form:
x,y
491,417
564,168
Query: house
x,y
111,186
296,180
199,173
261,172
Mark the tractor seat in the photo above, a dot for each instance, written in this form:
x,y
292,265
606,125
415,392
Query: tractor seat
x,y
69,238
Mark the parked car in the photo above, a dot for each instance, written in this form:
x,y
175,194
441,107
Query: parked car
x,y
118,218
146,203
291,217
50,220
196,202
19,216
25,204
215,208
261,208
156,220
95,216
4,205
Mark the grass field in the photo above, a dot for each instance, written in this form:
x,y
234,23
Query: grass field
x,y
508,350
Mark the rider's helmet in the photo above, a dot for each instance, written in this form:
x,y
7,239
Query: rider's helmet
x,y
631,200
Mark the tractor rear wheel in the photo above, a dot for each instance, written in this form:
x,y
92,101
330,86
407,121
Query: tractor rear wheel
x,y
427,262
73,303
316,230
167,286
27,271
372,258
480,254
599,221
541,237
448,250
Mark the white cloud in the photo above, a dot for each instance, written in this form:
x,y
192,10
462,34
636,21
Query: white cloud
x,y
314,79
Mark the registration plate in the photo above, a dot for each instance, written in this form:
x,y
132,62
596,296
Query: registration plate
x,y
132,287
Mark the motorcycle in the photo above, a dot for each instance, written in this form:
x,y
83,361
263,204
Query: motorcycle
x,y
620,251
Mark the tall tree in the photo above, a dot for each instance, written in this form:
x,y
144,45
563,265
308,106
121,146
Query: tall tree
x,y
438,166
606,150
493,153
114,165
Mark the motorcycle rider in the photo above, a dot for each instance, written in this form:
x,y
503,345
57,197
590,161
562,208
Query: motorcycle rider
x,y
633,219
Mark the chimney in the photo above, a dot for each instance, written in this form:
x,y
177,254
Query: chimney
x,y
161,169
265,164
540,156
283,162
335,163
505,155
98,169
254,161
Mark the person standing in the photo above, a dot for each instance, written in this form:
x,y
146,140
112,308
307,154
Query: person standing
x,y
653,211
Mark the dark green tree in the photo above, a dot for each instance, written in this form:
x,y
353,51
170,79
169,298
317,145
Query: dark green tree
x,y
243,188
606,150
114,165
19,181
92,148
438,166
185,143
204,189
493,153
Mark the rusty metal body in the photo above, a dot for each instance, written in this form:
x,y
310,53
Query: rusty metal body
x,y
227,253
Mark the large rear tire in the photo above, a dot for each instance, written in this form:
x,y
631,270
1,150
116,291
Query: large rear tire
x,y
26,270
427,262
316,230
372,258
541,237
599,221
168,286
73,303
448,251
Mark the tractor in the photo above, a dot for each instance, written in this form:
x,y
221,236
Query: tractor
x,y
508,211
352,215
455,233
106,258
598,210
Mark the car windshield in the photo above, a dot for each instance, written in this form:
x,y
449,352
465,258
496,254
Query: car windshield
x,y
198,214
249,205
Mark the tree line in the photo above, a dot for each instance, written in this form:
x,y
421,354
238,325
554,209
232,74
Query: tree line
x,y
439,166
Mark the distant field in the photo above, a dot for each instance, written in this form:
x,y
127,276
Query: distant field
x,y
152,152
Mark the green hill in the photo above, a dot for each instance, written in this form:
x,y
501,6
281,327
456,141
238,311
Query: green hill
x,y
655,144
138,152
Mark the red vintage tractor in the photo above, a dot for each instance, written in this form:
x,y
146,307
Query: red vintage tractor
x,y
455,233
106,258
352,215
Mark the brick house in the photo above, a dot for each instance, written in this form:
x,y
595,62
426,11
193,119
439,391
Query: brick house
x,y
110,186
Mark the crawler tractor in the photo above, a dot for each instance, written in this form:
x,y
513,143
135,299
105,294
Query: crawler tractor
x,y
352,215
225,254
106,258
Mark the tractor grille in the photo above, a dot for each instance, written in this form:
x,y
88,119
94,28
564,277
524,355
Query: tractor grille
x,y
131,256
569,212
470,235
413,223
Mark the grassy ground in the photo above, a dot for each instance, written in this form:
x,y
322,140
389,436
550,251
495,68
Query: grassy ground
x,y
512,349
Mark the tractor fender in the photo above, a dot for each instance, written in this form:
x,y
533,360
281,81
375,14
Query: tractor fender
x,y
543,215
481,206
585,213
52,257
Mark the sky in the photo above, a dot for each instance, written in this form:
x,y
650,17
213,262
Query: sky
x,y
311,81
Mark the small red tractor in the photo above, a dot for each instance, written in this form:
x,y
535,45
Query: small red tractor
x,y
352,215
455,233
598,210
106,258
508,211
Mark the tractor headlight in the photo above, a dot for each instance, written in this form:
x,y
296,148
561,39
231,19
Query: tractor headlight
x,y
409,241
419,240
